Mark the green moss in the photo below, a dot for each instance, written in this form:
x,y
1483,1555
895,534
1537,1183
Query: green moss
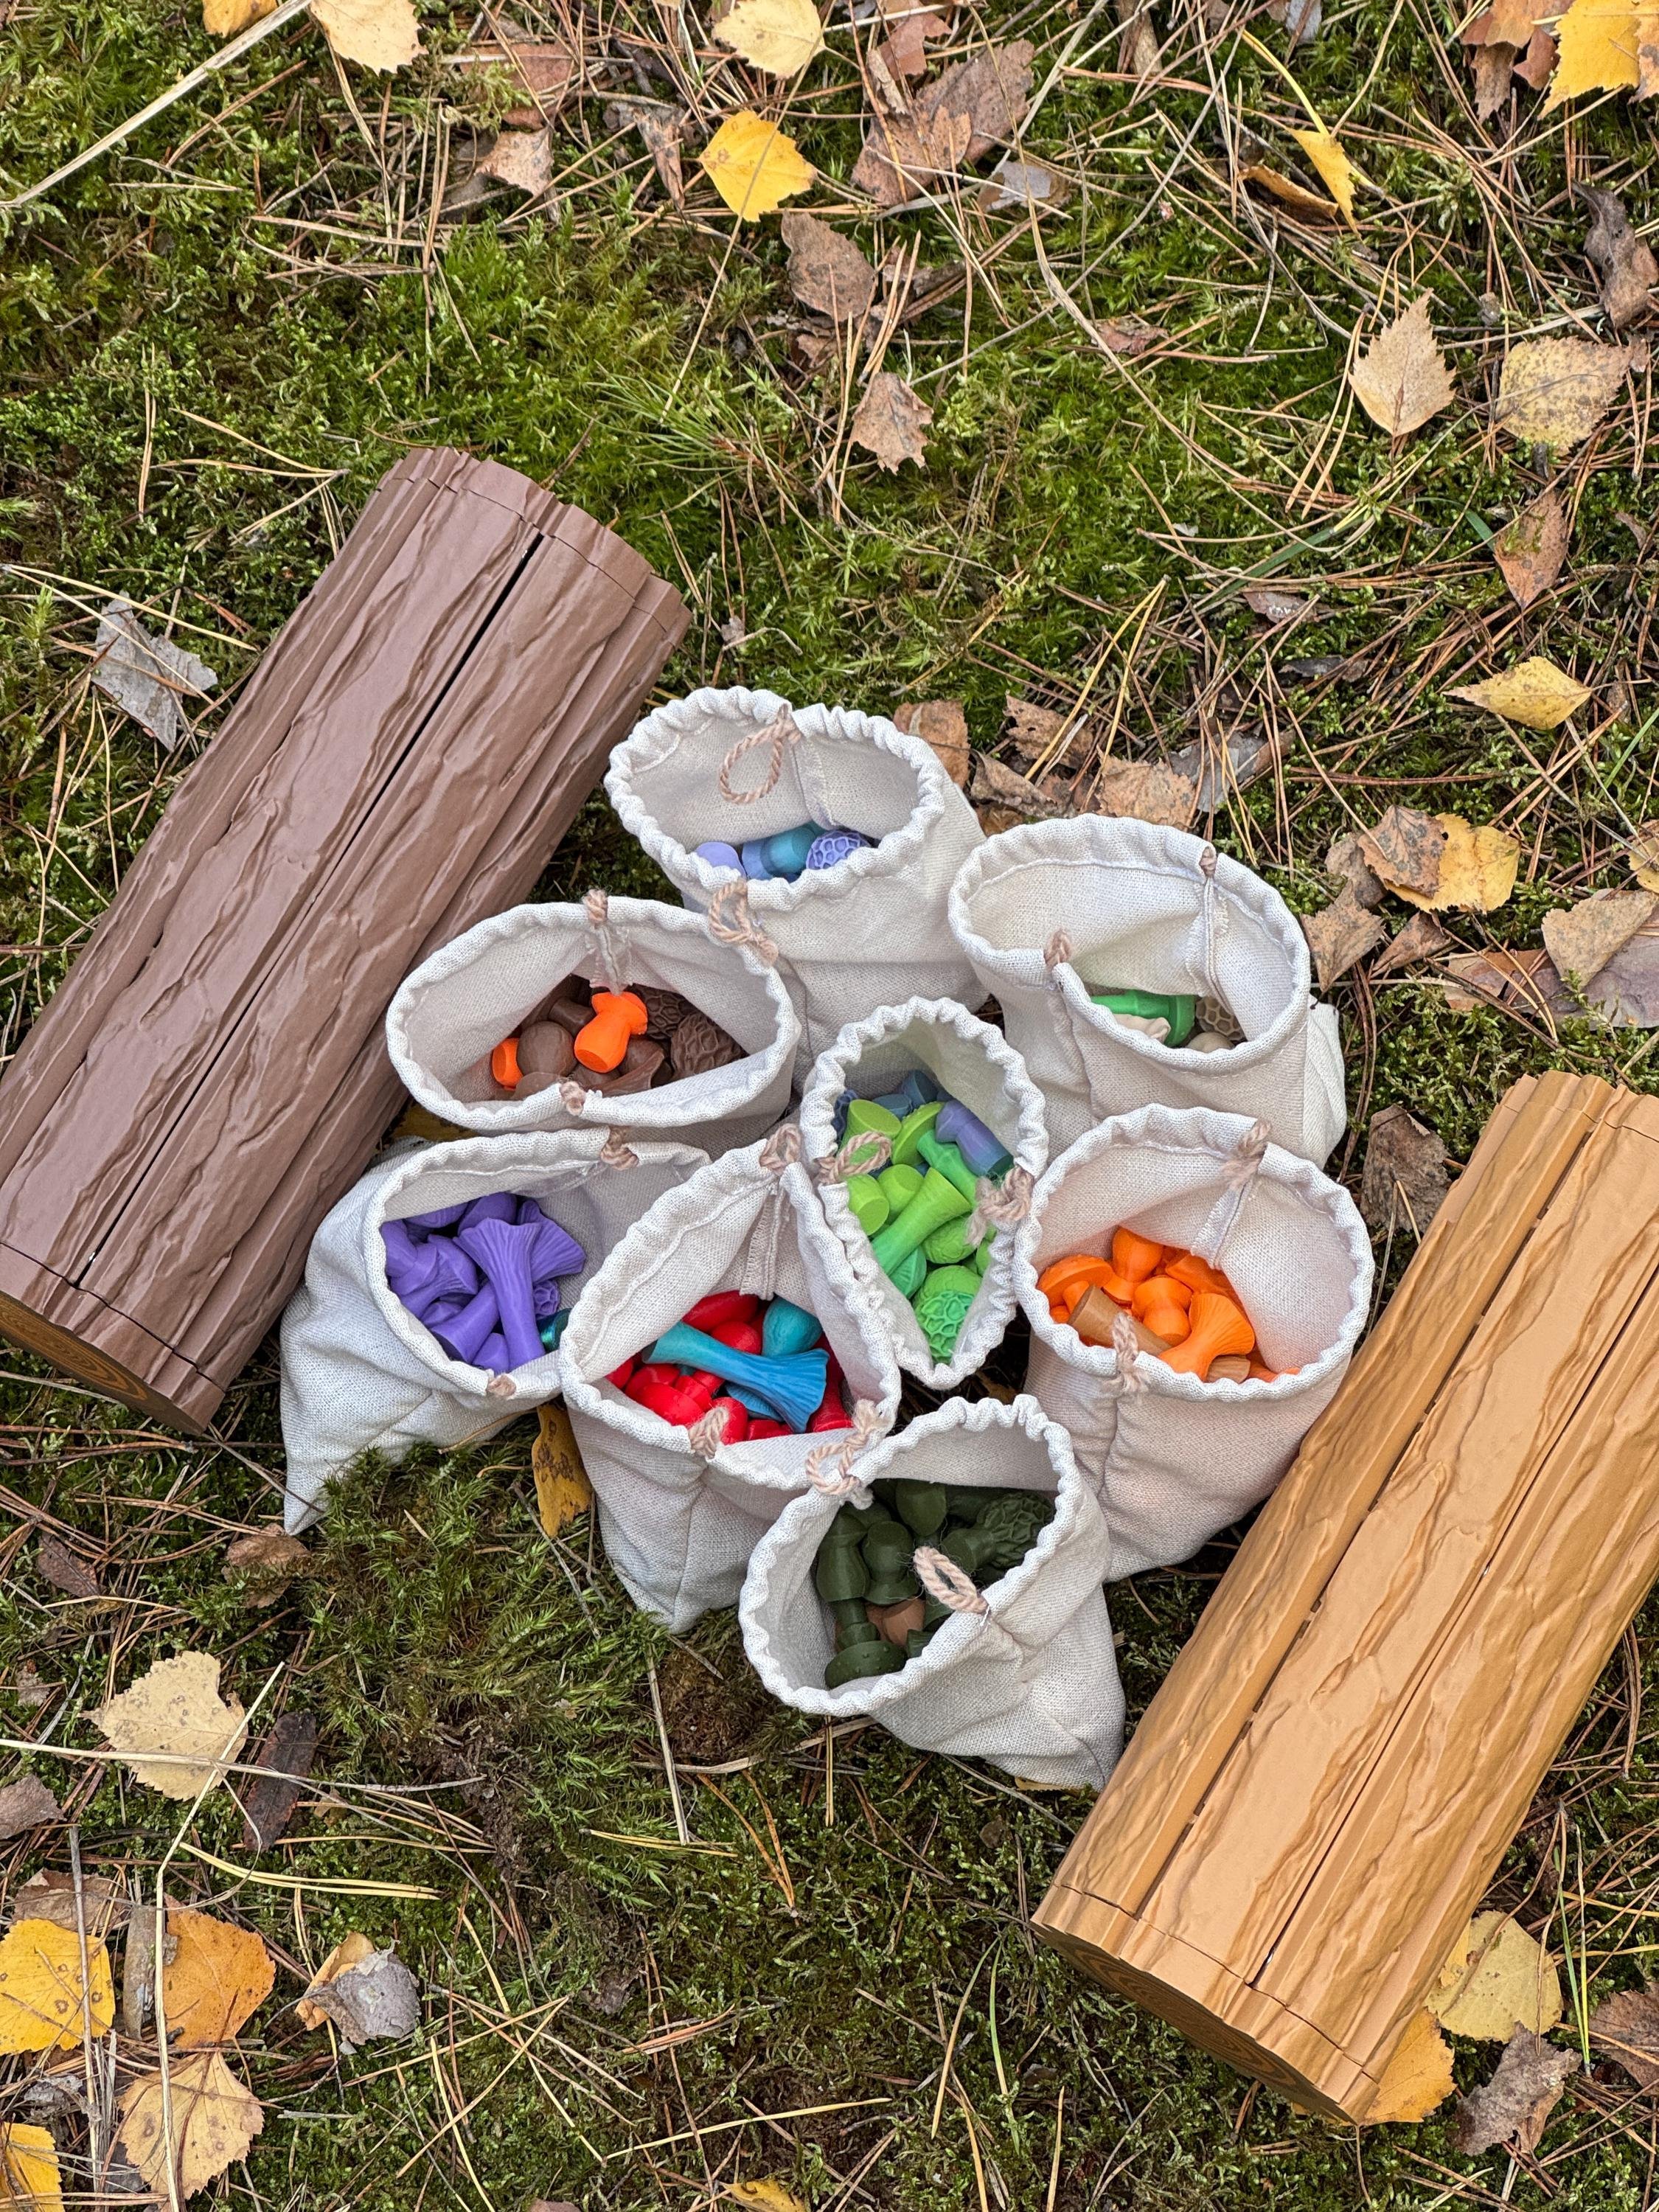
x,y
168,334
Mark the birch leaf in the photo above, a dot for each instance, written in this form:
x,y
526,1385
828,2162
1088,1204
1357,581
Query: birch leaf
x,y
1553,391
219,1976
381,34
1402,379
215,2120
29,2177
1598,43
1529,550
175,1710
1418,2078
1534,693
563,1489
778,36
891,421
754,166
1497,1980
44,2005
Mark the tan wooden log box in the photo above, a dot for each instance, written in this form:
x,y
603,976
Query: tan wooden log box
x,y
212,1073
1325,1782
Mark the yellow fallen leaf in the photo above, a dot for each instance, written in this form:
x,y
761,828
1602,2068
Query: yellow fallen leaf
x,y
779,36
176,1709
219,1976
769,2196
381,34
222,19
1324,150
29,2177
563,1489
1418,2078
1534,693
350,1951
1477,869
215,2120
1402,378
43,2006
1497,1978
1553,391
754,166
1599,44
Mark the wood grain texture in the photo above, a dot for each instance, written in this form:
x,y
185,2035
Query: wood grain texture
x,y
1304,1528
211,1075
1317,1799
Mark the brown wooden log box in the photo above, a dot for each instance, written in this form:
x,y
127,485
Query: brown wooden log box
x,y
1323,1787
211,1075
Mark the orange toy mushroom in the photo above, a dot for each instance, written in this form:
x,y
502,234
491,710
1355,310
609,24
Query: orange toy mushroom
x,y
1135,1257
1162,1301
504,1064
1199,1275
618,1016
1215,1326
1065,1282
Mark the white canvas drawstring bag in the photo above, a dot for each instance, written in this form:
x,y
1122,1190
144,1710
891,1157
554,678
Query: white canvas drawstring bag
x,y
1176,1460
679,1511
1025,1675
361,1373
1055,910
458,1006
730,766
977,1067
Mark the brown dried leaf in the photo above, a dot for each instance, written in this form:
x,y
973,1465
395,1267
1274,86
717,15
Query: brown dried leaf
x,y
27,1803
549,75
1627,989
1622,260
1422,939
1004,798
1531,549
268,1559
49,1896
1493,69
52,1896
663,129
1581,939
826,270
269,1798
376,1999
905,156
1553,391
1644,856
1627,2027
891,421
1274,605
1523,983
56,1564
1402,379
1148,790
1513,2107
1024,185
905,49
522,158
350,1951
992,89
1032,729
1537,66
1127,335
941,724
1346,861
1219,772
1404,849
1312,207
1405,1178
1339,935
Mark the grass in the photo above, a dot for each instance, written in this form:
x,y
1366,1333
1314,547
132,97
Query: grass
x,y
211,345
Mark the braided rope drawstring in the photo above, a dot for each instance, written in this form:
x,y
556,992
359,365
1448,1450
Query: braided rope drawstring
x,y
573,1096
729,922
782,1149
614,1152
501,1386
782,730
944,1580
999,1205
1128,1348
841,1450
609,965
865,1152
706,1436
1057,952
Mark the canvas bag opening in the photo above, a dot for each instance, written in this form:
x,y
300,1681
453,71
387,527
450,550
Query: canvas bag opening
x,y
974,1063
1054,910
457,1006
360,1373
864,933
1027,1678
1176,1460
679,1524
